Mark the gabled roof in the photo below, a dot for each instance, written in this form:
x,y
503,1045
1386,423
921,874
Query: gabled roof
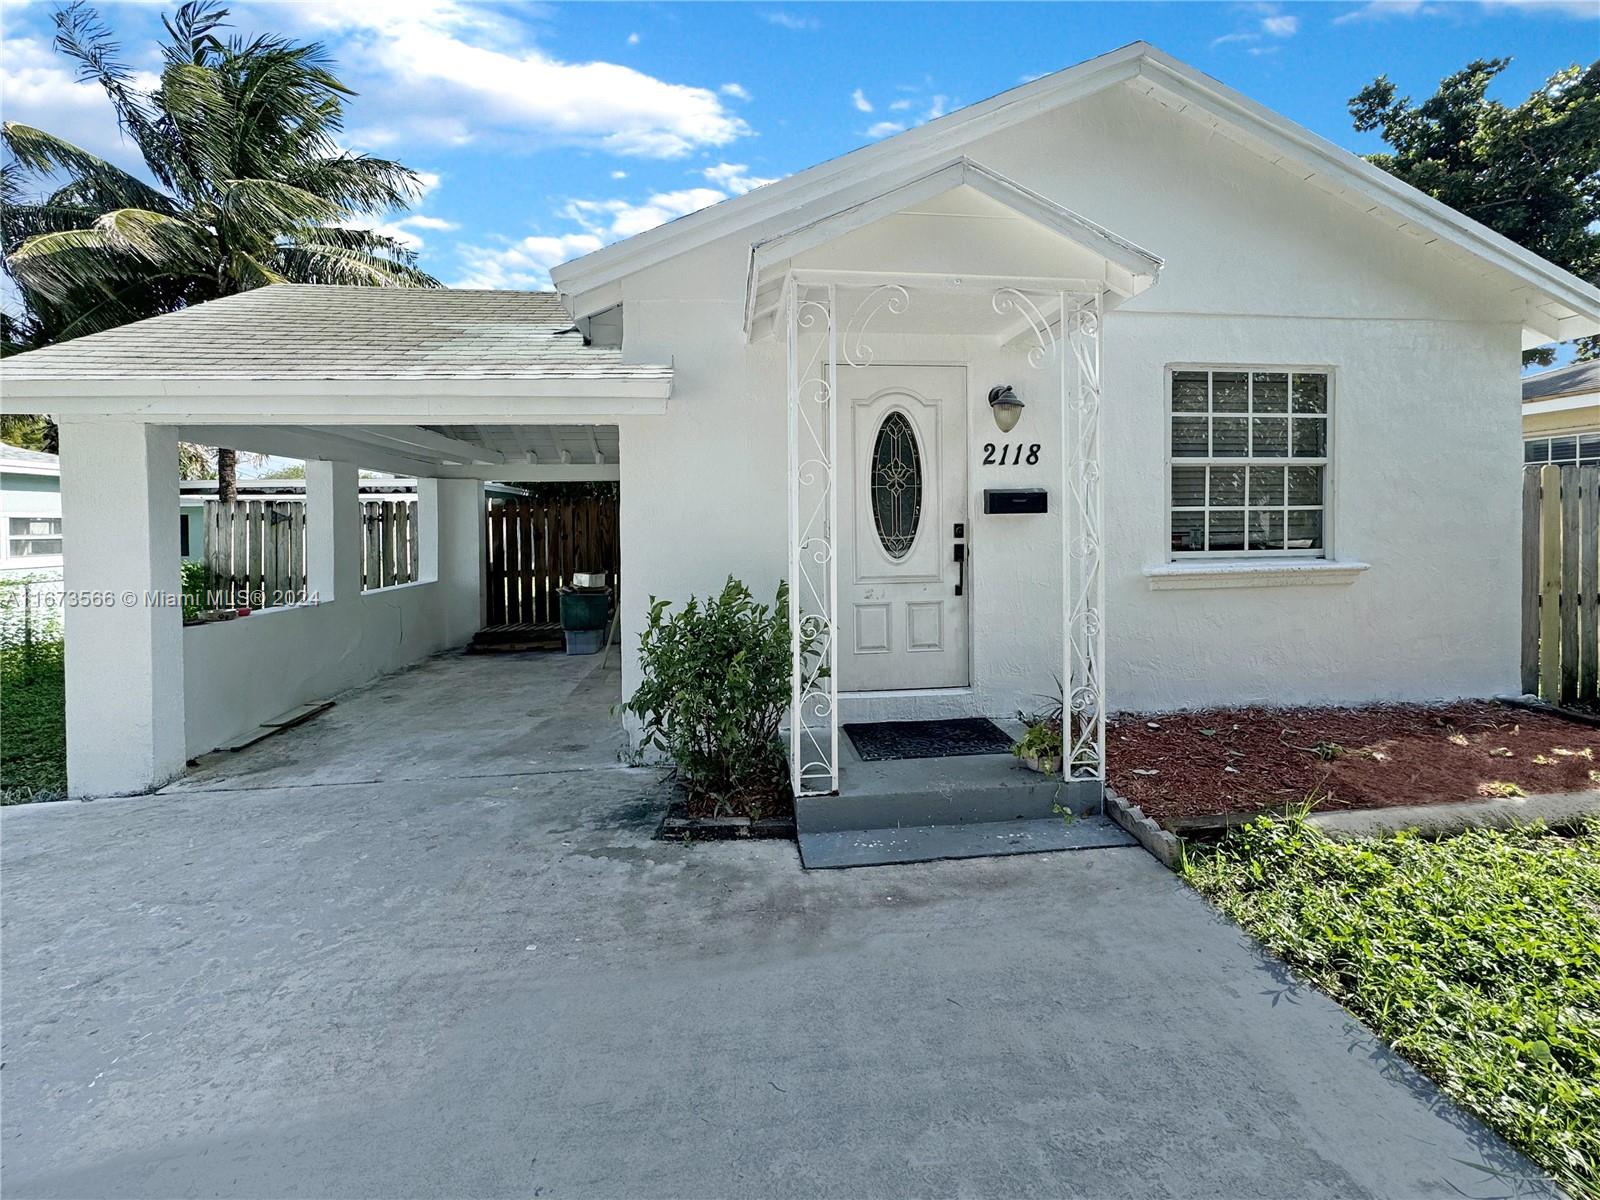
x,y
28,462
1129,268
1572,380
364,336
1560,305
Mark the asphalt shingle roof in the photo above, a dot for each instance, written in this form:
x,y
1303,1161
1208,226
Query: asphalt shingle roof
x,y
307,331
1563,381
36,458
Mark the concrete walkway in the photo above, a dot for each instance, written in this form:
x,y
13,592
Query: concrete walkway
x,y
480,976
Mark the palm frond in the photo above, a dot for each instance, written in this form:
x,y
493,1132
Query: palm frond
x,y
345,237
307,263
358,183
257,207
191,33
170,244
249,272
45,154
82,36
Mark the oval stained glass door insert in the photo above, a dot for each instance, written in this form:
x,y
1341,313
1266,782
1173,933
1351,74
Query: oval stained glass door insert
x,y
896,485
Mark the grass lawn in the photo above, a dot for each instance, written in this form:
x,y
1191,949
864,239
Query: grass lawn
x,y
33,723
1477,957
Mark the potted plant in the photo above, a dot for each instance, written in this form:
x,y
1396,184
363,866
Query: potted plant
x,y
1041,746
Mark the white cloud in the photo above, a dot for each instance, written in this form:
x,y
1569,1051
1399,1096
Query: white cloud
x,y
1382,10
735,90
734,178
404,229
883,129
523,264
936,108
619,174
1272,24
787,20
859,99
37,88
633,39
455,73
900,105
615,219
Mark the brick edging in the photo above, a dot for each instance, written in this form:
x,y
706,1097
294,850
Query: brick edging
x,y
1147,833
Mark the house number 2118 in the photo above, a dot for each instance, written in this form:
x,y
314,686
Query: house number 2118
x,y
1010,455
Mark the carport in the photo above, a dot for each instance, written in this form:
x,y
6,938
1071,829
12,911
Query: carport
x,y
452,387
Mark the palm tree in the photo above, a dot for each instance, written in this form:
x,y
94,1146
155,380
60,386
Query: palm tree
x,y
250,185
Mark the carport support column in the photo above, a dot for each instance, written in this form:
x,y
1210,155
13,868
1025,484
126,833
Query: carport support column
x,y
333,530
459,554
123,618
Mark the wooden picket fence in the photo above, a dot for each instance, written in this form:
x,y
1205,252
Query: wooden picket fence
x,y
256,552
256,549
1561,583
535,546
389,543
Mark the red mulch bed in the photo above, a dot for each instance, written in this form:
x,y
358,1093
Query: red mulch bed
x,y
1177,765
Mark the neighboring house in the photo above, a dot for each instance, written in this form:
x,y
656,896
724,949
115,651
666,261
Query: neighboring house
x,y
1262,455
30,513
1561,415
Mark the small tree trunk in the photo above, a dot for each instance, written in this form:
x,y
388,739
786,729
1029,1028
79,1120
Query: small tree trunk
x,y
227,482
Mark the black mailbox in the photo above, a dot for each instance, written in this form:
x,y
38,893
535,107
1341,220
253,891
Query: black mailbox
x,y
1016,500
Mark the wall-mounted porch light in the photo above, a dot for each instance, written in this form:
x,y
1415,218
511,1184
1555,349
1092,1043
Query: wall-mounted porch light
x,y
1006,406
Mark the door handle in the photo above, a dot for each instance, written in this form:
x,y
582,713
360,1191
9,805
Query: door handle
x,y
961,561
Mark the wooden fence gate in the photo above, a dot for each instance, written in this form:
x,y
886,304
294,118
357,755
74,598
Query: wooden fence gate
x,y
256,552
1561,582
535,546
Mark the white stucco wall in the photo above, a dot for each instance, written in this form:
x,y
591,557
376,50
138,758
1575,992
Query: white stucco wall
x,y
1261,269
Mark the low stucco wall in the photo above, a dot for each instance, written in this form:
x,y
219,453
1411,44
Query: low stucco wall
x,y
237,674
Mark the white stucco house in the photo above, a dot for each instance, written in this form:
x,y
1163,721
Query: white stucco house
x,y
1269,399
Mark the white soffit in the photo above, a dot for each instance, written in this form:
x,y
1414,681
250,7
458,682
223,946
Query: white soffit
x,y
1128,268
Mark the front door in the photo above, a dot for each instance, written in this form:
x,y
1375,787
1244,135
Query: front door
x,y
902,515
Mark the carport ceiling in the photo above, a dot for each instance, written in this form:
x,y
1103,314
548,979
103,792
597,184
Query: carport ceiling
x,y
541,444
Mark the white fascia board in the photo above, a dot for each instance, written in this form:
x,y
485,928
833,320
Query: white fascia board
x,y
914,149
1279,136
1556,404
339,402
537,473
17,468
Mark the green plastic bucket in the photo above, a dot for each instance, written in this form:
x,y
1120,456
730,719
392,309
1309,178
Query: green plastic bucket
x,y
584,610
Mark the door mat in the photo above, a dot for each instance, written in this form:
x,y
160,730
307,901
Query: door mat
x,y
878,740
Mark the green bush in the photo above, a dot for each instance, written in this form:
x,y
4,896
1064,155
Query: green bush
x,y
196,582
33,708
1476,956
715,691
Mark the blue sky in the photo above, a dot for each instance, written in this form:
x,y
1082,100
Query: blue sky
x,y
545,131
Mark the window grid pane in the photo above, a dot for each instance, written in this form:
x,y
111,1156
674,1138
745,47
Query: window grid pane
x,y
1262,438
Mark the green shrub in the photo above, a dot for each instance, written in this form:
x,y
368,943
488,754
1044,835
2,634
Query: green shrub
x,y
715,691
33,708
196,582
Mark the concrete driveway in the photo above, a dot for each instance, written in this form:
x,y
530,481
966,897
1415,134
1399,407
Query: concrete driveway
x,y
289,978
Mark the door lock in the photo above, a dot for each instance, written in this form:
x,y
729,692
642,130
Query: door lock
x,y
960,558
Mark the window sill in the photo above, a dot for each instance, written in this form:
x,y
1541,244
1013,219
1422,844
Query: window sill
x,y
1268,572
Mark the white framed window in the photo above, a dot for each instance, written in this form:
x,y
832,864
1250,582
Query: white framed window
x,y
1247,461
1581,448
33,537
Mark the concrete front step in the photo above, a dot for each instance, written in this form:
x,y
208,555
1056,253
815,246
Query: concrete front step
x,y
930,843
